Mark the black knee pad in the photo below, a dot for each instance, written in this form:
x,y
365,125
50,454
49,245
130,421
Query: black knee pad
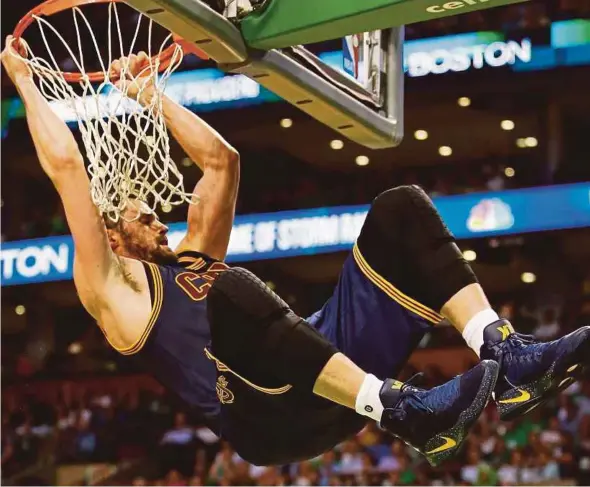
x,y
255,333
237,293
421,256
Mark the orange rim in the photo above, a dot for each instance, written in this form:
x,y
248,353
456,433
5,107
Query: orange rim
x,y
50,7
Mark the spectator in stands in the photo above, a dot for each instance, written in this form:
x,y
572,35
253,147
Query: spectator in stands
x,y
582,396
471,471
391,461
241,474
86,442
351,460
203,459
393,478
306,475
326,467
407,475
566,458
510,473
180,434
548,468
529,473
26,445
568,415
501,453
223,464
551,437
174,479
584,449
487,439
178,445
369,436
196,480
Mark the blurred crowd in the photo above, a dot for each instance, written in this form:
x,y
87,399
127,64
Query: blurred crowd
x,y
548,447
123,419
107,426
286,186
290,185
163,445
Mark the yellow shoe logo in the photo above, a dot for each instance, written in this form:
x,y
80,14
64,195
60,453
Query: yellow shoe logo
x,y
506,330
524,396
396,384
447,445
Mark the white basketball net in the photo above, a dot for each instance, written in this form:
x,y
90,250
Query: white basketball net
x,y
126,144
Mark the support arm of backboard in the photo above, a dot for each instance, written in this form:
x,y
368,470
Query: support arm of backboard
x,y
310,92
282,23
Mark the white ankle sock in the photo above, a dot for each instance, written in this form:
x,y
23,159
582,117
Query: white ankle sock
x,y
368,402
473,331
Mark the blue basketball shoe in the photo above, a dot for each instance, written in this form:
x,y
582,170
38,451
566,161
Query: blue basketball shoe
x,y
435,422
531,371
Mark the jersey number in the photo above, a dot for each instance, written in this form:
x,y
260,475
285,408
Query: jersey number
x,y
197,291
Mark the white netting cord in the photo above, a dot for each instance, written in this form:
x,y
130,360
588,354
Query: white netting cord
x,y
127,143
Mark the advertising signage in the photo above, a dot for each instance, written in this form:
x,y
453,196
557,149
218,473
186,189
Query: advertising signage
x,y
331,229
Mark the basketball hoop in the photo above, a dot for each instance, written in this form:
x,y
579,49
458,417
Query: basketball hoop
x,y
127,143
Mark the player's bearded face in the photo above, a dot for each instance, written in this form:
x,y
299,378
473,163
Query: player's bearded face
x,y
145,238
144,245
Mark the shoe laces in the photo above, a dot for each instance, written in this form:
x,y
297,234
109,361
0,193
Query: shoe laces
x,y
408,395
518,348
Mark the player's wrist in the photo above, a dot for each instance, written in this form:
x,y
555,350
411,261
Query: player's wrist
x,y
25,86
146,95
21,78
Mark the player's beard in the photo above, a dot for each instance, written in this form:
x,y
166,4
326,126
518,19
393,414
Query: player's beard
x,y
159,255
163,256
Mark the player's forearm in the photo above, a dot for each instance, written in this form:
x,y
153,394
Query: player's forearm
x,y
56,147
204,145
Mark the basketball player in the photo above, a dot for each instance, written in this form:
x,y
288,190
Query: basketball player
x,y
230,347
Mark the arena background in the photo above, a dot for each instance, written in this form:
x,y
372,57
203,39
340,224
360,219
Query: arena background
x,y
497,126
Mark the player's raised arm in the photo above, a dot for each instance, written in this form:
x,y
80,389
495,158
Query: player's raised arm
x,y
210,221
62,161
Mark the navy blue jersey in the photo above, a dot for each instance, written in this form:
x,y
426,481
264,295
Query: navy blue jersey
x,y
173,344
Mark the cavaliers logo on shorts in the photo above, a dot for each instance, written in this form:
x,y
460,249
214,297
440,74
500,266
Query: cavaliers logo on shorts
x,y
224,395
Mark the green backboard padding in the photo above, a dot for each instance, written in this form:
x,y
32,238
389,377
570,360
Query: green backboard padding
x,y
283,23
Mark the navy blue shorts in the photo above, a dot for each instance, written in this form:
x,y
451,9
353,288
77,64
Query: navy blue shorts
x,y
370,319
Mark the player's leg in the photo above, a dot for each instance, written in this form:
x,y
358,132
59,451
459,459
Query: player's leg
x,y
432,270
258,336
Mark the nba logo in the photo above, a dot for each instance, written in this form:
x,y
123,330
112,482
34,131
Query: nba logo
x,y
351,54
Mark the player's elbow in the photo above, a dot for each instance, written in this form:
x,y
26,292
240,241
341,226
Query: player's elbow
x,y
66,159
62,163
224,157
232,160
